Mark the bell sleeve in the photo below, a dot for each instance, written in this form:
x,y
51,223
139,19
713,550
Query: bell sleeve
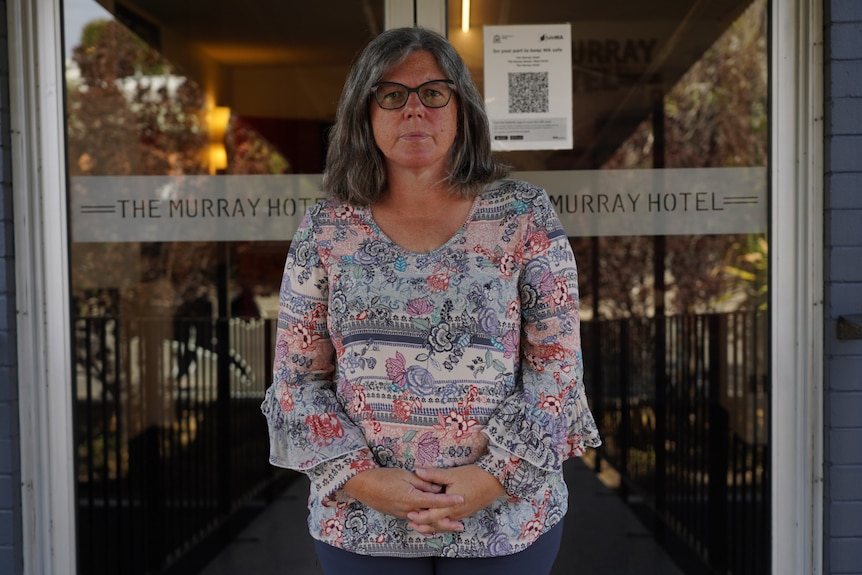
x,y
547,418
309,431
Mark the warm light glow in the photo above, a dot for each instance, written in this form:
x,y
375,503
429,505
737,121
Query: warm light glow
x,y
217,157
217,121
465,15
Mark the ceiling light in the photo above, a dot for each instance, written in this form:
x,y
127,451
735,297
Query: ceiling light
x,y
465,15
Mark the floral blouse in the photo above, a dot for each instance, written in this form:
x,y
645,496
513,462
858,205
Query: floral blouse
x,y
469,353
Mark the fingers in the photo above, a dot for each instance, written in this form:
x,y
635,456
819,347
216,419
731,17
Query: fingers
x,y
434,475
437,500
398,492
432,500
424,485
431,521
477,487
436,518
448,526
429,517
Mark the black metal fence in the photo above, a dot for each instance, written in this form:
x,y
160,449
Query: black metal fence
x,y
170,441
683,405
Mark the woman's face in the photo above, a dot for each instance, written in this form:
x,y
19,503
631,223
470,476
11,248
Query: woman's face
x,y
415,137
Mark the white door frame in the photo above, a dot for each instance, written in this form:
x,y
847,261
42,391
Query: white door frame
x,y
42,273
796,287
42,286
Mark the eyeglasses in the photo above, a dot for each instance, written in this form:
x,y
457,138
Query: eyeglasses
x,y
432,94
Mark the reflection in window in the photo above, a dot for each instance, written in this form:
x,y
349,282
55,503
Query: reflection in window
x,y
675,334
715,115
132,113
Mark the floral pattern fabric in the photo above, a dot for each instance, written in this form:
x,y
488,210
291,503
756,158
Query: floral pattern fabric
x,y
467,354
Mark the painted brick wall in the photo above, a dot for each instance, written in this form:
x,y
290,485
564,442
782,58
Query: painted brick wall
x,y
843,289
11,553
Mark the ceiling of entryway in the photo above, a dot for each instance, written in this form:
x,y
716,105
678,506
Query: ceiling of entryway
x,y
288,59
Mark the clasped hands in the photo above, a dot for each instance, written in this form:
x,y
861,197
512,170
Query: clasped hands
x,y
432,500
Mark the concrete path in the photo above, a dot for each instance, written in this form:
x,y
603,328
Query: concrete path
x,y
601,536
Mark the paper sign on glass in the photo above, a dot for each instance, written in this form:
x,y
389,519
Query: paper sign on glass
x,y
528,86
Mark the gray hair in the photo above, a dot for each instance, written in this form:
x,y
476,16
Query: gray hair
x,y
355,168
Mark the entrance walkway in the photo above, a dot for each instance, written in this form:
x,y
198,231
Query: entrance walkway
x,y
601,536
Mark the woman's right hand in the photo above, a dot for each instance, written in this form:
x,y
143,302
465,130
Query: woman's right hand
x,y
398,492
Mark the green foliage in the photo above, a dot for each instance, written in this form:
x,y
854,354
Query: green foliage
x,y
747,268
716,115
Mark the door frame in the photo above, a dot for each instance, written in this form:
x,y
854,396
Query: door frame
x,y
45,400
44,315
796,286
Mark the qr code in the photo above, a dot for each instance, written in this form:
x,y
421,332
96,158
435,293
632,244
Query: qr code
x,y
528,92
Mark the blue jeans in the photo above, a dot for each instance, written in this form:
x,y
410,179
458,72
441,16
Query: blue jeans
x,y
537,559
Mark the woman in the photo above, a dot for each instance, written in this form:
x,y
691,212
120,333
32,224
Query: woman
x,y
428,374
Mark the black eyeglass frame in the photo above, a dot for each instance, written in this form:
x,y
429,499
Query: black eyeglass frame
x,y
449,83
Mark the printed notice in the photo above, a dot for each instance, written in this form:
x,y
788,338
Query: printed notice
x,y
528,86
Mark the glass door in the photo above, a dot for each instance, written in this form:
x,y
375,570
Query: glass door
x,y
658,170
195,140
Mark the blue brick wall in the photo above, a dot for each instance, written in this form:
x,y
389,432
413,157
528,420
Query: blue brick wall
x,y
843,289
11,552
11,549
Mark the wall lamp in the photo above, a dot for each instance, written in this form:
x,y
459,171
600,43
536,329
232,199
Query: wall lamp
x,y
217,119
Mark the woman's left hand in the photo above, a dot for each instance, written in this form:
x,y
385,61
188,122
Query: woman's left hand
x,y
477,487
